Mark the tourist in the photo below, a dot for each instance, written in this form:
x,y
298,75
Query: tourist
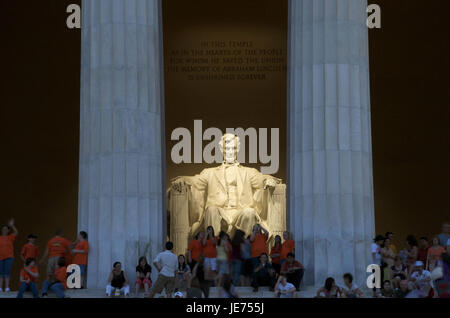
x,y
183,274
329,290
195,249
441,275
350,289
275,254
387,259
209,249
28,278
57,281
293,270
227,289
117,281
287,247
202,277
263,274
402,291
194,290
387,291
420,279
143,271
399,272
284,289
167,265
410,265
222,249
178,294
411,247
258,240
7,252
390,236
57,247
247,261
422,253
375,250
444,237
237,250
80,254
434,253
30,250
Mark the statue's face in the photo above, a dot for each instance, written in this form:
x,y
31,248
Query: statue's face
x,y
229,150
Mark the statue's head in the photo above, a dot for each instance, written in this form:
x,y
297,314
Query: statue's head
x,y
229,145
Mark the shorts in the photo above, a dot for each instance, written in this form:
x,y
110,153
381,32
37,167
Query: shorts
x,y
164,282
143,281
222,267
52,264
5,267
211,263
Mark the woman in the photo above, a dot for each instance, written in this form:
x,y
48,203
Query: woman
x,y
287,247
28,278
412,247
399,271
80,255
184,274
237,251
117,281
201,274
247,262
275,254
350,289
387,255
143,271
227,289
223,248
434,253
6,253
330,290
209,248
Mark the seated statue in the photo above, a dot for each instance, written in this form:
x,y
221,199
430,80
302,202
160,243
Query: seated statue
x,y
229,197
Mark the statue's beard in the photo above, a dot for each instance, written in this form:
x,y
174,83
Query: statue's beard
x,y
230,159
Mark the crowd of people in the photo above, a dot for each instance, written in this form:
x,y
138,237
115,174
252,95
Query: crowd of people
x,y
421,269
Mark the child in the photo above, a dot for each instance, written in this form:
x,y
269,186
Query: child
x,y
6,253
30,250
28,278
80,254
57,281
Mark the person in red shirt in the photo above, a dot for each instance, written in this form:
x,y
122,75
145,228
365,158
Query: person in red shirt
x,y
275,254
258,241
6,253
209,249
422,253
57,282
287,247
28,278
30,250
195,249
80,254
293,270
57,247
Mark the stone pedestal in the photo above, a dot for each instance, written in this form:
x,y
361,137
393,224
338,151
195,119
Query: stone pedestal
x,y
331,211
121,197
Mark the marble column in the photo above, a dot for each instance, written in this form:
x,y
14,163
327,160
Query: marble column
x,y
331,210
121,199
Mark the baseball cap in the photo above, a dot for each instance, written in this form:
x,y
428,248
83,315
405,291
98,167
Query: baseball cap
x,y
418,263
178,294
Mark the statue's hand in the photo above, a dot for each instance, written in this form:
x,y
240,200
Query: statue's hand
x,y
270,183
178,184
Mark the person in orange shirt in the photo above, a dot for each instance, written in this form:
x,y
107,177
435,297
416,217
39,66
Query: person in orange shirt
x,y
6,253
57,281
30,250
28,278
434,253
195,249
258,241
209,249
275,254
80,254
58,246
287,247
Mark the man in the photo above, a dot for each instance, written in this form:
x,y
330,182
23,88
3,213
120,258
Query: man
x,y
445,235
167,265
57,281
293,270
422,253
420,280
263,274
387,291
57,247
284,289
229,190
403,290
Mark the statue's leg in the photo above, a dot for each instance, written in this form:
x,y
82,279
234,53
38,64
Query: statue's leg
x,y
213,218
246,220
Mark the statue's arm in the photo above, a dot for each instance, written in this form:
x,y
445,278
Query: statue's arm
x,y
261,181
199,181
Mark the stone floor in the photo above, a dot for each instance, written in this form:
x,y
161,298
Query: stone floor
x,y
243,292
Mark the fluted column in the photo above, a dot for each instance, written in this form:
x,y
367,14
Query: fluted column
x,y
331,208
120,182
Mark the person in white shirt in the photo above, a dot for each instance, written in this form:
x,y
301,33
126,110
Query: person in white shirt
x,y
283,289
350,289
167,265
420,280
